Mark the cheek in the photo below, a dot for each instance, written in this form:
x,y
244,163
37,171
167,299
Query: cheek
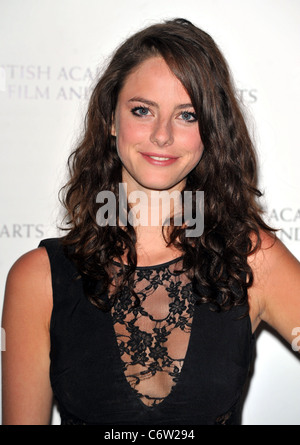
x,y
199,150
129,139
194,145
128,134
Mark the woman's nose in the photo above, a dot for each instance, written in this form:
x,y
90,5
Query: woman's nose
x,y
162,133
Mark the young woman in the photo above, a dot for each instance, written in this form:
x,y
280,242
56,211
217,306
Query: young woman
x,y
130,323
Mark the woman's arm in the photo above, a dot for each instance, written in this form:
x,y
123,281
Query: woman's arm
x,y
26,390
276,288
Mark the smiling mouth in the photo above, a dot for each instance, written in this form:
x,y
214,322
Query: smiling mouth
x,y
159,158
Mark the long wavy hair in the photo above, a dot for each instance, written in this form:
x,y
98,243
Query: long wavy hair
x,y
216,261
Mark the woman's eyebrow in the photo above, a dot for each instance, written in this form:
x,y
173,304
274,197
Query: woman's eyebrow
x,y
145,101
154,104
182,106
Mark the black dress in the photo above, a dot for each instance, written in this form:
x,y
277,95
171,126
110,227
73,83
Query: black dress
x,y
165,361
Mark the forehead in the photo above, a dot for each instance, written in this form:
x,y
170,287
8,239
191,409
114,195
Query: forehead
x,y
154,80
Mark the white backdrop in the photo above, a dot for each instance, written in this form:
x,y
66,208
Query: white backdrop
x,y
51,51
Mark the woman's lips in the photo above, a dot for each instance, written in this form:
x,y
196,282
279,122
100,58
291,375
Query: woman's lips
x,y
158,159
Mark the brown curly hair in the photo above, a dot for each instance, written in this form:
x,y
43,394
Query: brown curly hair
x,y
216,261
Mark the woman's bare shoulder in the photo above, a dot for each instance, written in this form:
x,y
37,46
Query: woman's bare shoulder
x,y
276,287
32,260
270,253
29,282
26,322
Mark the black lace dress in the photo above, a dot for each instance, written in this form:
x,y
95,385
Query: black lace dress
x,y
153,336
164,361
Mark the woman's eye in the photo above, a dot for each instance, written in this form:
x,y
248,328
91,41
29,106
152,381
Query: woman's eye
x,y
188,116
140,111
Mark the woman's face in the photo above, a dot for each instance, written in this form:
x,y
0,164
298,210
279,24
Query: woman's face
x,y
156,128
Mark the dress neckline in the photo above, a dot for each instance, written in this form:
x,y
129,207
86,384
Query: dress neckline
x,y
155,266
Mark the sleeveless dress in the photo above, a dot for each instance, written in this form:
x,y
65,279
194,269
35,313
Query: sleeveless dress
x,y
165,361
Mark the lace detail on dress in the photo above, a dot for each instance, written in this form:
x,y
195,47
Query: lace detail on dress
x,y
153,337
